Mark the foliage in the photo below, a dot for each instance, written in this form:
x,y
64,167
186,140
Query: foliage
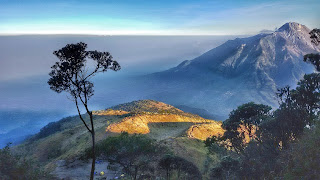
x,y
307,93
283,146
71,74
315,36
227,169
12,167
242,124
297,110
133,153
49,129
54,127
314,59
147,106
213,145
184,169
302,158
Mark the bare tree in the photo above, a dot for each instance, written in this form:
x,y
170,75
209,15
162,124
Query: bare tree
x,y
72,74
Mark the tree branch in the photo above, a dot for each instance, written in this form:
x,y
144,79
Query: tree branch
x,y
81,116
96,70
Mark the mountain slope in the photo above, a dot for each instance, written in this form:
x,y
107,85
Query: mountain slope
x,y
238,71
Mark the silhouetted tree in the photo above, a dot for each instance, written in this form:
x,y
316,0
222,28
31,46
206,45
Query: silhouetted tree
x,y
315,36
72,74
314,58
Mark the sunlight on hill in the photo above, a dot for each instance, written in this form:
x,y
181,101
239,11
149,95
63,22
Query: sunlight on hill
x,y
203,131
141,113
139,123
109,112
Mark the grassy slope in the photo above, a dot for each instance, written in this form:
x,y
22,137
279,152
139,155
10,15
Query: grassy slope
x,y
70,138
193,150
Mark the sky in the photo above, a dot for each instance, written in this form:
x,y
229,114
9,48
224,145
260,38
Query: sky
x,y
165,17
26,60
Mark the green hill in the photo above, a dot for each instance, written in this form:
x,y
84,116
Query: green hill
x,y
59,146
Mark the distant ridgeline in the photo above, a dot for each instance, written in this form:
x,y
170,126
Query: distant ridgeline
x,y
236,72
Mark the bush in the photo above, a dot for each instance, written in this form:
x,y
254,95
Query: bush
x,y
184,169
302,159
12,167
133,153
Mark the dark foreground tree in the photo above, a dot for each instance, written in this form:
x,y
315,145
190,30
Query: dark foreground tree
x,y
227,169
184,169
72,74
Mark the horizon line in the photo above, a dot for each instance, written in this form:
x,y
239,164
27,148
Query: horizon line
x,y
84,34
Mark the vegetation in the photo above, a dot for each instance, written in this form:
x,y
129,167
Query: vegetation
x,y
242,125
151,106
71,75
133,153
258,143
51,128
303,157
183,168
13,167
279,144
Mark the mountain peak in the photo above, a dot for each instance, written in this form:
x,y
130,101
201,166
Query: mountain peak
x,y
292,26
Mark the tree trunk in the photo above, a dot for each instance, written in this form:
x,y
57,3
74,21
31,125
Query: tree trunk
x,y
93,156
135,173
93,145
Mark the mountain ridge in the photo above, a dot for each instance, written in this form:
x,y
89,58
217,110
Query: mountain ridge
x,y
237,72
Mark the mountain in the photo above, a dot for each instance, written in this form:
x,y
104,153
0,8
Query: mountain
x,y
236,72
60,145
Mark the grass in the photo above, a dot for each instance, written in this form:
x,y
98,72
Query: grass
x,y
192,150
166,130
70,138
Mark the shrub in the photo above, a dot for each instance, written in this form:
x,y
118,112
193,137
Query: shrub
x,y
12,167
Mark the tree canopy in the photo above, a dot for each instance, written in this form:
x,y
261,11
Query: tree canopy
x,y
72,74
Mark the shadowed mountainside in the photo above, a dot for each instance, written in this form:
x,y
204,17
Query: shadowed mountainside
x,y
236,72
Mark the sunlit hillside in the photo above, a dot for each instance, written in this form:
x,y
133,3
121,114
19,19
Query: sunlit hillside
x,y
67,139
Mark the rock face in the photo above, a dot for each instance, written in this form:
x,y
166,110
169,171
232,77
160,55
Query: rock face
x,y
238,71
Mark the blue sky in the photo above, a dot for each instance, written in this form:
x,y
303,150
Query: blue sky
x,y
165,17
